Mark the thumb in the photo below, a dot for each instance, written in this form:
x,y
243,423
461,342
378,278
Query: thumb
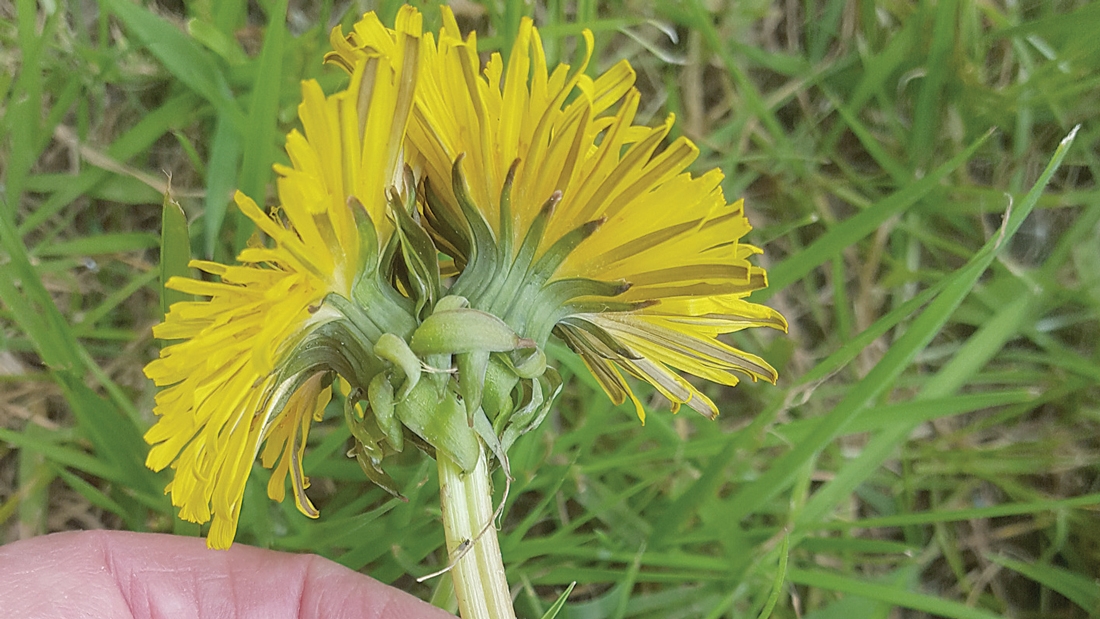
x,y
101,574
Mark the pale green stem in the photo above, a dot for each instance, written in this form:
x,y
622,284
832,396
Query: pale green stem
x,y
467,502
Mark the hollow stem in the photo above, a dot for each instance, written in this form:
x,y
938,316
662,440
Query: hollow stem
x,y
467,504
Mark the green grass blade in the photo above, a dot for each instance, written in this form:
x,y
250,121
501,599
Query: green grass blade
x,y
112,302
885,593
188,61
897,170
851,349
712,477
98,245
176,112
230,15
977,351
553,611
1082,591
780,578
31,305
260,130
61,454
35,477
92,494
221,180
221,43
925,327
175,251
116,438
971,357
24,115
626,586
957,515
756,107
927,108
855,228
918,411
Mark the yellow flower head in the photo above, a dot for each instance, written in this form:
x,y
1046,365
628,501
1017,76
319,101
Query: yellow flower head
x,y
229,385
560,215
638,263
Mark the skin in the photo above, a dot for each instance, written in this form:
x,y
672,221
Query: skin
x,y
121,575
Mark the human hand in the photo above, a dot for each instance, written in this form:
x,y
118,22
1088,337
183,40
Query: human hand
x,y
121,575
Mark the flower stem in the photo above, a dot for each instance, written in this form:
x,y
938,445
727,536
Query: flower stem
x,y
467,501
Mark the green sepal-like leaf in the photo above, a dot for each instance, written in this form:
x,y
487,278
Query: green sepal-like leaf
x,y
603,370
451,302
539,306
496,398
532,414
374,472
438,370
561,292
334,346
505,291
394,349
368,239
440,420
464,330
481,231
552,258
528,362
383,405
359,321
471,379
543,321
526,408
484,257
507,220
418,250
355,423
448,228
484,429
368,450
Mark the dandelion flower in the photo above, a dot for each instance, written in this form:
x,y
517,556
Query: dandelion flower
x,y
566,216
234,386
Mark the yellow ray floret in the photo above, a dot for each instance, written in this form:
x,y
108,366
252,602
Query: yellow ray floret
x,y
220,388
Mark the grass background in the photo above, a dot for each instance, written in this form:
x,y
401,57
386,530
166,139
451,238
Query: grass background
x,y
932,447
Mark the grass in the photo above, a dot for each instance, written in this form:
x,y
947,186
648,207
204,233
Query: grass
x,y
931,449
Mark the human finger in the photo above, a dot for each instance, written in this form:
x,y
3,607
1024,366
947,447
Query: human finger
x,y
116,574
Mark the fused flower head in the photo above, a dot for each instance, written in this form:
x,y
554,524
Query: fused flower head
x,y
559,214
238,380
630,259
